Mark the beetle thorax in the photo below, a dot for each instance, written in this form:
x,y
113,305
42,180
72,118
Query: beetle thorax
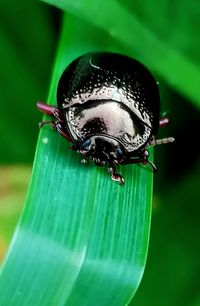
x,y
107,118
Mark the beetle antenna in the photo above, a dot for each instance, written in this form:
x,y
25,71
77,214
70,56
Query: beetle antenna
x,y
155,142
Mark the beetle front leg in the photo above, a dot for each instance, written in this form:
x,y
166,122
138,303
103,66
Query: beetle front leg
x,y
62,130
58,126
115,176
49,110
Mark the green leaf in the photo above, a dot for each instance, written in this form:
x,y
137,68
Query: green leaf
x,y
82,238
156,51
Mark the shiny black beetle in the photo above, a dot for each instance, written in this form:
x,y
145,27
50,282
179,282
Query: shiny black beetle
x,y
108,106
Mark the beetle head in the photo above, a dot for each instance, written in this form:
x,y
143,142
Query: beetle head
x,y
102,150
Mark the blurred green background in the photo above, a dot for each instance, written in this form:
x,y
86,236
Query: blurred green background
x,y
29,39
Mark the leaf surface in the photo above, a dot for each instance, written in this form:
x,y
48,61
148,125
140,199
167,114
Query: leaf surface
x,y
82,238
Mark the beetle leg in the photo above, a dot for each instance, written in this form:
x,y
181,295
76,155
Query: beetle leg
x,y
164,121
143,160
51,122
115,176
140,161
57,125
49,110
62,130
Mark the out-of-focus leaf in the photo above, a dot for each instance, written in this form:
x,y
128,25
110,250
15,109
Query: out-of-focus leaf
x,y
13,185
172,272
26,52
143,41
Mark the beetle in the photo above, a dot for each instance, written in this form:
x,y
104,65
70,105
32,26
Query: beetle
x,y
108,107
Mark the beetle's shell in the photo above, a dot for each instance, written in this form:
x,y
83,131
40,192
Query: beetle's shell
x,y
108,76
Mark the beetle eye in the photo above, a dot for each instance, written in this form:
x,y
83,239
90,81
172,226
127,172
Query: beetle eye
x,y
146,153
86,144
119,152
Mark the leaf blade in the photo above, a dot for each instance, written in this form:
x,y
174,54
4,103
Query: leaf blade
x,y
78,226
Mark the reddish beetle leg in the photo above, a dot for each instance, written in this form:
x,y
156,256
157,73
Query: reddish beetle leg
x,y
49,110
57,124
164,121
